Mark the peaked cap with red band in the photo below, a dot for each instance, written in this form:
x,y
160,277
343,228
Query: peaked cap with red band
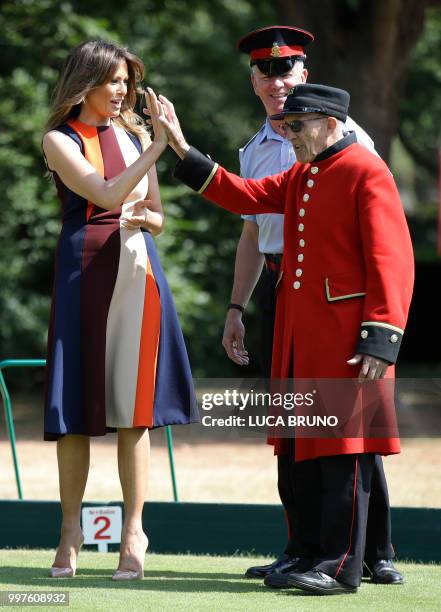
x,y
275,42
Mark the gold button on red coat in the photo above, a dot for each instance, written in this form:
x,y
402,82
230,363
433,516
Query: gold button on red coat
x,y
296,285
310,183
305,197
314,170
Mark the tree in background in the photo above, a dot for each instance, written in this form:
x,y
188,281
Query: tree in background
x,y
190,56
364,46
34,37
420,105
188,49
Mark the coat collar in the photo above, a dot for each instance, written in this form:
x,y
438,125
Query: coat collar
x,y
338,146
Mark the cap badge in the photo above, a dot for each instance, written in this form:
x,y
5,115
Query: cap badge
x,y
275,51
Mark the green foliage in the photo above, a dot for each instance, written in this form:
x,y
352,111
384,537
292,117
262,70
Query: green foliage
x,y
420,135
28,228
190,56
182,44
420,108
35,37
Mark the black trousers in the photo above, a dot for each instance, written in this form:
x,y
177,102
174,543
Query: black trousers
x,y
331,513
267,307
378,534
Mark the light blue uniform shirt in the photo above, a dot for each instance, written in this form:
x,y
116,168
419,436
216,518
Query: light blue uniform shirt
x,y
269,153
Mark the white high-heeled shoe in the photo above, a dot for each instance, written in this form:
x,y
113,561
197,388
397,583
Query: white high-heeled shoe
x,y
61,572
128,575
132,574
66,572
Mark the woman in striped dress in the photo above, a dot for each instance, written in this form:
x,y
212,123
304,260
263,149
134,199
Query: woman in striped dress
x,y
116,355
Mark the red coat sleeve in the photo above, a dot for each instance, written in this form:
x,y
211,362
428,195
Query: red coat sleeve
x,y
247,196
229,190
388,256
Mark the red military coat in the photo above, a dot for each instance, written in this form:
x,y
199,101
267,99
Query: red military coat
x,y
347,271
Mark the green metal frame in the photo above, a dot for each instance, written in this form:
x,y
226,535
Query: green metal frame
x,y
19,363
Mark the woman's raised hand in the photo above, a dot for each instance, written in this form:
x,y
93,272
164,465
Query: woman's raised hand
x,y
156,112
170,120
164,121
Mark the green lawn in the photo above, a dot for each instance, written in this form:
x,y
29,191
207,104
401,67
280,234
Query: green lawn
x,y
205,583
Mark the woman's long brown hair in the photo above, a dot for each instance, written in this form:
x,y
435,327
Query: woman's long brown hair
x,y
90,65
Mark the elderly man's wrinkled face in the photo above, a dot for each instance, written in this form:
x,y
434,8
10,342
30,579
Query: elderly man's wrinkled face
x,y
307,133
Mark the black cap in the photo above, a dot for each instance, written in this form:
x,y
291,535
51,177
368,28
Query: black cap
x,y
275,42
309,98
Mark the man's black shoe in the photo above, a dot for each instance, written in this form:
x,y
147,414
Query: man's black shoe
x,y
276,580
315,581
279,579
383,572
284,563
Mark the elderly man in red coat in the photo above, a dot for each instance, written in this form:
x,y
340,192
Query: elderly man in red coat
x,y
342,304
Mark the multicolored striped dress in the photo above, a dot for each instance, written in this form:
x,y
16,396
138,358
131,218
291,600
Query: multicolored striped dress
x,y
116,355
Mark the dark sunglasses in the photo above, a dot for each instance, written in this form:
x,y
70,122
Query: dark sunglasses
x,y
297,124
277,67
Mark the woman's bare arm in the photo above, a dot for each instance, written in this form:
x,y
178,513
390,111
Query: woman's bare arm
x,y
155,215
65,158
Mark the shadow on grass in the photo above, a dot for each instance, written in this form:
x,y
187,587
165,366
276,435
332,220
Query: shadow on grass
x,y
175,581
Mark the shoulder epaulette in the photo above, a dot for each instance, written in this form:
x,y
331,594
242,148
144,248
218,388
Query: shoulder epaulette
x,y
252,138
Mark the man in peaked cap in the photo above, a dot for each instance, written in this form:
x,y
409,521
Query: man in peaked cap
x,y
337,308
277,60
266,45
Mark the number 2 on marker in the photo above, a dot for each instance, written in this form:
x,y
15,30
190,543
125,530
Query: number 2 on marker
x,y
100,533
